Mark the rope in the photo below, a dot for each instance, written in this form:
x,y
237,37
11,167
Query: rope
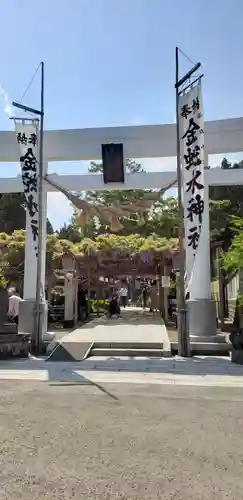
x,y
30,83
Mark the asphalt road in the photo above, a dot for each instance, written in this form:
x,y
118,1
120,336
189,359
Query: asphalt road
x,y
70,441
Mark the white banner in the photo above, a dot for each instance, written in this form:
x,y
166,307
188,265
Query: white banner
x,y
192,160
27,139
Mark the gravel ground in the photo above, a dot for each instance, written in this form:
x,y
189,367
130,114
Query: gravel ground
x,y
120,442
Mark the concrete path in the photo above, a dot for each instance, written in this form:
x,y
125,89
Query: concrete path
x,y
133,327
69,441
197,371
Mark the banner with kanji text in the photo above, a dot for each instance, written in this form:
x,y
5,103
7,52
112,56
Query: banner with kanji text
x,y
27,139
192,162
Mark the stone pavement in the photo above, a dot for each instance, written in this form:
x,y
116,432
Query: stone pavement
x,y
120,442
197,371
135,326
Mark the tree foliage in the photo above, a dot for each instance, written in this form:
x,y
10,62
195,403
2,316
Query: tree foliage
x,y
12,253
162,219
12,248
229,203
13,215
132,244
159,232
115,197
233,259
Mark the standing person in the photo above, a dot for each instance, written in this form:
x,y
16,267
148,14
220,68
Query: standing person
x,y
123,292
13,305
82,305
114,307
154,298
144,294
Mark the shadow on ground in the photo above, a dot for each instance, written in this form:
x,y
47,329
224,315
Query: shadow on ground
x,y
57,371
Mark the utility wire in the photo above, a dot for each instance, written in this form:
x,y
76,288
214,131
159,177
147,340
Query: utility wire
x,y
188,58
30,83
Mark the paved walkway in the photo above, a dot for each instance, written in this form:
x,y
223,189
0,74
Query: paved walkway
x,y
134,326
197,371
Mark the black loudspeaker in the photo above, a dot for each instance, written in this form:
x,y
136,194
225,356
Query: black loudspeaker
x,y
113,163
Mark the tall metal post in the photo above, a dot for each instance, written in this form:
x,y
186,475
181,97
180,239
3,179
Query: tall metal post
x,y
183,334
183,337
36,344
36,337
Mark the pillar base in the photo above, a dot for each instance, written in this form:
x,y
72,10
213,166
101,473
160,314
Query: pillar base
x,y
202,320
27,313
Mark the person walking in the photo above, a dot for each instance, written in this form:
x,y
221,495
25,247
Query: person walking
x,y
154,298
123,292
144,293
13,305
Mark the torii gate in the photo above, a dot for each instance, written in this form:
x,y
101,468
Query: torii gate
x,y
149,141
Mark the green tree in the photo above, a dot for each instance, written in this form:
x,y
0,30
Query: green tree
x,y
12,213
233,259
229,202
162,219
12,254
115,197
74,233
105,197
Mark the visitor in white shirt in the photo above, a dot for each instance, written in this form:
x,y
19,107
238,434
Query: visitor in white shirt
x,y
123,292
13,305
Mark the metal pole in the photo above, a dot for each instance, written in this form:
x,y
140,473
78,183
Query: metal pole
x,y
36,337
89,285
183,337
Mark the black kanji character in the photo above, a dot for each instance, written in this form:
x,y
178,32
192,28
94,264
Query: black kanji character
x,y
195,207
31,205
192,158
21,138
193,237
185,111
34,229
195,105
191,133
193,183
30,182
199,115
29,161
32,139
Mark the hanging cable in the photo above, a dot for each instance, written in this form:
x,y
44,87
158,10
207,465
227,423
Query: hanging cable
x,y
30,83
188,58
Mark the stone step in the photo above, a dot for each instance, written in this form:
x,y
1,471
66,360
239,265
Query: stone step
x,y
206,348
128,345
126,352
14,337
14,346
8,328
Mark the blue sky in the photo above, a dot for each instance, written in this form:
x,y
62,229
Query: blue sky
x,y
111,62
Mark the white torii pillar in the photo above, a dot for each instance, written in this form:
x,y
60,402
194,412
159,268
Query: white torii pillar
x,y
27,313
201,306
